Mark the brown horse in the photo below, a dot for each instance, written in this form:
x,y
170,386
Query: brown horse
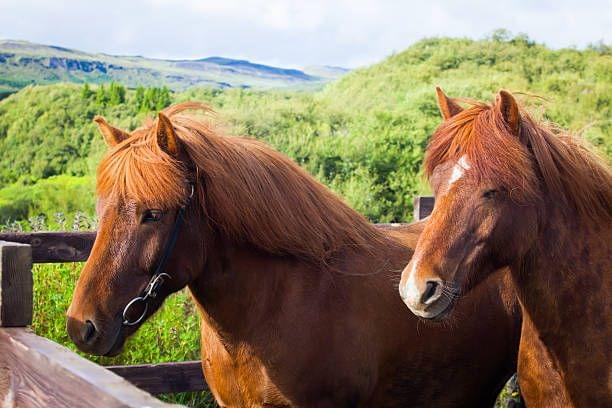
x,y
522,195
297,291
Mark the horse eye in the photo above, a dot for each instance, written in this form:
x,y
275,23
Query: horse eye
x,y
152,216
490,193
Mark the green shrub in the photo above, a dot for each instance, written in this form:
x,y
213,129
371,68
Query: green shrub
x,y
63,194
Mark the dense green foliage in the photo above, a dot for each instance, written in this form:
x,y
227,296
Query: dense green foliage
x,y
364,136
65,195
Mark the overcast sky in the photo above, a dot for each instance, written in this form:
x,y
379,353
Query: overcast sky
x,y
293,33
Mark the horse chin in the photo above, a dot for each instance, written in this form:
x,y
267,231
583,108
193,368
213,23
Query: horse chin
x,y
117,346
439,311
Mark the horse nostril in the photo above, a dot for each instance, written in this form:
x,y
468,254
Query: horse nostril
x,y
89,332
431,289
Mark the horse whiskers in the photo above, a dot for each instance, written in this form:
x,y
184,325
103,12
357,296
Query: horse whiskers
x,y
451,293
395,276
450,287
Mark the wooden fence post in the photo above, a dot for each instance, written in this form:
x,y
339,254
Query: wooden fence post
x,y
423,206
15,284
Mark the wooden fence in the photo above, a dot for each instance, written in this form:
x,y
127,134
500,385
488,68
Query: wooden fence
x,y
35,371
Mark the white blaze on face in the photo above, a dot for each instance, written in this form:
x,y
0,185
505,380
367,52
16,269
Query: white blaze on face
x,y
459,169
410,291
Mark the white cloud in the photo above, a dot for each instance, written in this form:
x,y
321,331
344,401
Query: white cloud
x,y
291,32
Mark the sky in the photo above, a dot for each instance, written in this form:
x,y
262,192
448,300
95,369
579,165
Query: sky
x,y
291,33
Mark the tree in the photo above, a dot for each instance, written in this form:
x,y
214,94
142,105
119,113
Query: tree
x,y
501,35
163,99
116,94
86,91
101,96
139,98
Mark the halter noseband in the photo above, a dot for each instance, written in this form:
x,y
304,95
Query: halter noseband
x,y
157,280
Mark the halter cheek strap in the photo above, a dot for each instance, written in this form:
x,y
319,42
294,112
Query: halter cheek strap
x,y
158,278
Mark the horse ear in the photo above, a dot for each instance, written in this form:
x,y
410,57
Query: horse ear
x,y
448,107
166,137
509,110
111,134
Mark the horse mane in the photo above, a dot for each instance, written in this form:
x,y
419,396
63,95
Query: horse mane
x,y
542,156
248,191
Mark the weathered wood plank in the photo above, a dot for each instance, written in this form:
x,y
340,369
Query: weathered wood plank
x,y
36,372
164,377
15,284
423,206
55,246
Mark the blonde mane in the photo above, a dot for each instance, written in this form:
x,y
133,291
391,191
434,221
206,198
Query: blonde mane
x,y
248,191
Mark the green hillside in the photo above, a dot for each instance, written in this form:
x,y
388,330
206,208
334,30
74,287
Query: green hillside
x,y
575,87
363,135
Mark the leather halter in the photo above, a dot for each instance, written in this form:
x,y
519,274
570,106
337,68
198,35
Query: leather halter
x,y
158,278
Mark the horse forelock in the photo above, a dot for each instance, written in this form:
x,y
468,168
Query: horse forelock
x,y
540,160
137,169
494,155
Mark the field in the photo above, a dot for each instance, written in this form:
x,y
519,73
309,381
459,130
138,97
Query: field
x,y
363,136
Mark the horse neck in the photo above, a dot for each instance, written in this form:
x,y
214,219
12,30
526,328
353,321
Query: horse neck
x,y
563,283
243,291
237,285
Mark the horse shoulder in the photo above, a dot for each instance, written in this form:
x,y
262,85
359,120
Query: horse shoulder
x,y
541,383
235,376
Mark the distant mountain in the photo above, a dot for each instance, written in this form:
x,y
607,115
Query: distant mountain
x,y
326,71
23,63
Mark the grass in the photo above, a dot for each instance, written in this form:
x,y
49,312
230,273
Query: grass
x,y
172,334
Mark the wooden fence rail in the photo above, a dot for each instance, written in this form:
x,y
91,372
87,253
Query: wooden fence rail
x,y
37,372
54,247
164,378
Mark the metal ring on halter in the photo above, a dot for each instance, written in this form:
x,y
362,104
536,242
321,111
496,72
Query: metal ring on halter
x,y
150,292
126,320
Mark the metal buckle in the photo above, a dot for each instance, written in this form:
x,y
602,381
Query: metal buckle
x,y
156,282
